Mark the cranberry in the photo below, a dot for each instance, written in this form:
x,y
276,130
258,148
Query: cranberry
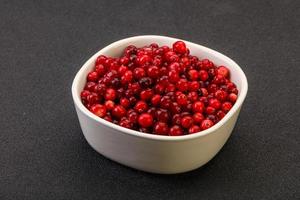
x,y
155,99
232,97
161,128
127,77
198,106
162,115
173,76
226,106
109,104
119,111
124,102
98,110
145,120
110,94
141,106
133,117
198,118
221,95
210,110
220,114
146,94
194,86
100,69
215,103
193,75
125,123
139,73
153,72
101,59
194,129
182,100
179,47
145,82
186,121
206,124
175,131
182,85
176,119
224,71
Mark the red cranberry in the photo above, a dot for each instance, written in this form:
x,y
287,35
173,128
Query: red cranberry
x,y
124,102
173,76
179,47
206,124
146,94
215,103
182,85
127,77
193,75
110,94
101,59
182,100
226,106
175,131
141,106
162,115
210,110
100,69
139,73
145,82
132,117
125,123
232,97
224,71
198,118
145,120
220,114
186,121
176,119
155,99
119,111
194,86
153,72
109,104
221,95
194,129
165,102
161,128
98,110
198,106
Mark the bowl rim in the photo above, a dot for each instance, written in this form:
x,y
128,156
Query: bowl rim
x,y
85,111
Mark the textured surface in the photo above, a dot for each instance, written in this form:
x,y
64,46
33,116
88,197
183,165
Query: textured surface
x,y
43,154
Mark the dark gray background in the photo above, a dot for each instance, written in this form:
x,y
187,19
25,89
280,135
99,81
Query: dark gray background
x,y
43,154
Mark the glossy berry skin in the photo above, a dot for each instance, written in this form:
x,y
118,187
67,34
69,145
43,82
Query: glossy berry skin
x,y
119,111
194,129
145,120
206,124
226,106
179,47
110,94
186,121
99,110
159,90
161,128
175,131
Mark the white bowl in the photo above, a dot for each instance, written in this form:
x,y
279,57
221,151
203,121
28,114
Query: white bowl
x,y
155,153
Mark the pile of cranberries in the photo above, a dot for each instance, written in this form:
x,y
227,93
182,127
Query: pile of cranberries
x,y
159,90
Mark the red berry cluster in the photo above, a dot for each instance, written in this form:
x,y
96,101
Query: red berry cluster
x,y
159,90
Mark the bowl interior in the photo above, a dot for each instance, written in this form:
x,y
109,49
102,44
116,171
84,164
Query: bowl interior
x,y
115,50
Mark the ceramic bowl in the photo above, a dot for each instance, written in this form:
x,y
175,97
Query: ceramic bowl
x,y
155,153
